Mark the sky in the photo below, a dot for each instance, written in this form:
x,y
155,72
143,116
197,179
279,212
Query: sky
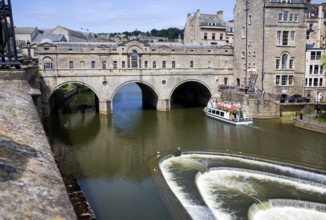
x,y
111,16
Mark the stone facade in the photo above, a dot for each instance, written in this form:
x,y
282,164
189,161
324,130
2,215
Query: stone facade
x,y
208,29
315,78
161,67
269,49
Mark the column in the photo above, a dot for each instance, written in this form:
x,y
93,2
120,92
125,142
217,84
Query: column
x,y
105,107
163,105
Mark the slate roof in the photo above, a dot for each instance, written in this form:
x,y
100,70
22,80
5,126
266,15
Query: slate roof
x,y
211,20
51,37
24,30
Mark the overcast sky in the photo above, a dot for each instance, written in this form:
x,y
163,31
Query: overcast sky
x,y
114,15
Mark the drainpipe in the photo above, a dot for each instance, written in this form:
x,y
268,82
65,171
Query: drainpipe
x,y
263,59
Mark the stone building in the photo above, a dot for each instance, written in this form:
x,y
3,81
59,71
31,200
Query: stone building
x,y
270,44
315,79
71,35
208,29
138,55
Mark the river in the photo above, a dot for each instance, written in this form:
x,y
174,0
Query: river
x,y
110,155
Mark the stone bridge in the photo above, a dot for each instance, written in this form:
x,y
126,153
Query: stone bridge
x,y
163,71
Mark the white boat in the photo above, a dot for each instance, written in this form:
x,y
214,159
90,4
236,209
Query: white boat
x,y
227,112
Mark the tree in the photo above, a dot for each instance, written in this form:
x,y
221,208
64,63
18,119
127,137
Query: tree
x,y
323,62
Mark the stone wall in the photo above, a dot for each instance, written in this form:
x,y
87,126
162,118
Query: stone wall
x,y
30,184
310,126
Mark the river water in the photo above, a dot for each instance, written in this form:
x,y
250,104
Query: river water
x,y
110,155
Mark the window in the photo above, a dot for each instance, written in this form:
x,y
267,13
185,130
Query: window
x,y
47,65
285,15
291,64
205,36
221,36
146,64
104,64
243,33
164,64
284,80
123,64
134,59
154,64
243,54
173,64
249,19
285,59
277,80
93,64
191,64
316,69
71,64
315,55
213,36
315,82
285,38
209,64
277,64
321,82
115,64
285,62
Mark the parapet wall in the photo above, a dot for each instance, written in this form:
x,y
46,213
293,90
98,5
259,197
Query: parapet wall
x,y
31,186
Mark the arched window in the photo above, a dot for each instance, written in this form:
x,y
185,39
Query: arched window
x,y
47,63
134,59
285,61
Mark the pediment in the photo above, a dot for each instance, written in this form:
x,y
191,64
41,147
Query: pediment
x,y
46,44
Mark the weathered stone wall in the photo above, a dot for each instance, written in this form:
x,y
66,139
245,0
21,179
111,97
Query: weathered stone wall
x,y
30,184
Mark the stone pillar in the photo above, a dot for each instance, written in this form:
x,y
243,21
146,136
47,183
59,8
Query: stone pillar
x,y
105,107
163,105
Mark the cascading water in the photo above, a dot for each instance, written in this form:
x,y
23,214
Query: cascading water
x,y
224,186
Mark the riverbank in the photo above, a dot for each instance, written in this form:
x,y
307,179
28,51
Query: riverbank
x,y
309,122
31,186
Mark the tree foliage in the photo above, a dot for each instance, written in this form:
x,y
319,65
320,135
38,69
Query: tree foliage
x,y
170,33
323,62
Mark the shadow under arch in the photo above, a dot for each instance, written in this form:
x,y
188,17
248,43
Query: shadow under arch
x,y
79,118
190,93
149,94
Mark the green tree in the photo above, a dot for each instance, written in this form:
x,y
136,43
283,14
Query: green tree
x,y
323,62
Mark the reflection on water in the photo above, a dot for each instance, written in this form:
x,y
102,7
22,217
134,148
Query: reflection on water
x,y
110,154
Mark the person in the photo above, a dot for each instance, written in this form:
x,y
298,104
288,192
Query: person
x,y
301,113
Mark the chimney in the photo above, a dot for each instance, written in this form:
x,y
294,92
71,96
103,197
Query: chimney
x,y
220,15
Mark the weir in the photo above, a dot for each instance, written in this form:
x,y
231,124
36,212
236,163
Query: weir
x,y
235,187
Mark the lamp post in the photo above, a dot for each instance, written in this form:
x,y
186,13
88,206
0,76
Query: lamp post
x,y
28,50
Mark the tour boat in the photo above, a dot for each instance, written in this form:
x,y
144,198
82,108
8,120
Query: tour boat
x,y
227,112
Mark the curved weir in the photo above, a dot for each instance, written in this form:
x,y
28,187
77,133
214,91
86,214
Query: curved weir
x,y
225,186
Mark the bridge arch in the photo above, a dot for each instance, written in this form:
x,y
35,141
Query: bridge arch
x,y
50,98
191,91
73,82
149,93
